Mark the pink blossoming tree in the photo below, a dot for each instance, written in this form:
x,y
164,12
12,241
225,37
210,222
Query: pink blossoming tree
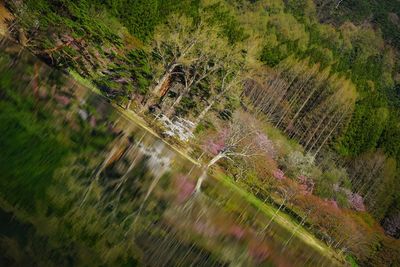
x,y
238,140
356,201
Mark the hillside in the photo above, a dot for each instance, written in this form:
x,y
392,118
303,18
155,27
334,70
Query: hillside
x,y
313,85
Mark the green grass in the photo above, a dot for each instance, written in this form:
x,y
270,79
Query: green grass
x,y
351,261
30,154
85,82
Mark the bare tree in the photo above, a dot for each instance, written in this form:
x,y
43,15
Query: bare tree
x,y
227,84
212,58
228,79
235,63
176,45
192,75
236,141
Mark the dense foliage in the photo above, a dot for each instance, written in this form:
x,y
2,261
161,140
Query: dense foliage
x,y
326,73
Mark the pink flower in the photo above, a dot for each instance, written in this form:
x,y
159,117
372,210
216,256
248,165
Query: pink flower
x,y
302,179
306,185
215,147
265,144
356,201
217,144
279,174
237,231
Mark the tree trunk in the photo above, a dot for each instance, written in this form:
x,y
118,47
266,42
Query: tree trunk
x,y
177,101
293,120
329,135
203,113
204,174
216,159
160,84
128,105
310,138
200,181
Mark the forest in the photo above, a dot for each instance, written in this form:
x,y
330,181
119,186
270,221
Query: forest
x,y
295,101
